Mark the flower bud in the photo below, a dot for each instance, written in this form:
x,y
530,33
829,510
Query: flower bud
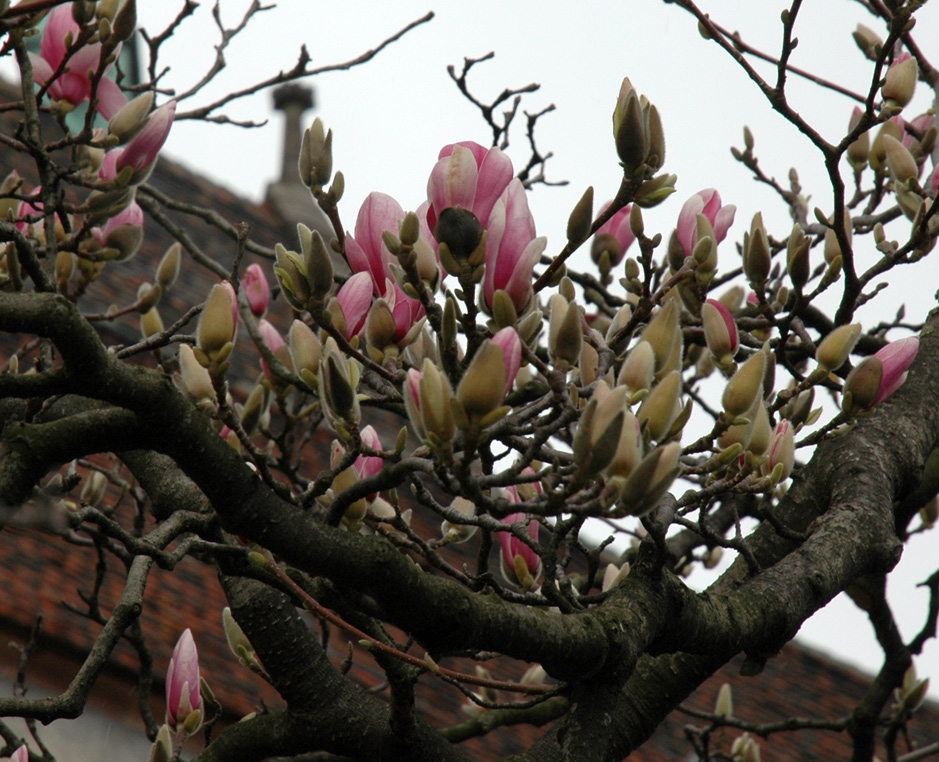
x,y
659,409
579,223
459,533
638,370
338,380
860,148
565,334
427,398
868,41
238,642
306,351
797,257
168,270
318,265
195,379
483,386
900,161
151,323
900,81
720,333
316,156
257,292
216,330
746,386
131,118
781,453
862,385
649,481
662,333
598,434
183,686
834,349
756,254
724,706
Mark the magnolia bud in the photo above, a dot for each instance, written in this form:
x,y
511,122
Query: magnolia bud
x,y
834,349
797,257
131,117
483,386
316,156
578,224
565,334
305,350
900,81
317,262
746,386
662,332
217,325
900,161
168,270
151,323
195,379
756,254
659,409
724,706
720,332
459,533
868,41
638,369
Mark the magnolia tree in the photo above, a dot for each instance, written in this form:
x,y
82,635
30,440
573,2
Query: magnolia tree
x,y
483,390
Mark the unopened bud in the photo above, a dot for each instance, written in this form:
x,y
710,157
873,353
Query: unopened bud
x,y
746,386
578,224
659,409
724,706
316,156
900,81
168,270
565,334
756,254
834,349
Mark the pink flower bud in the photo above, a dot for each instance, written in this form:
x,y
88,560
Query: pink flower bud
x,y
511,345
513,547
896,358
273,339
256,289
183,690
900,80
140,153
369,465
781,451
355,299
616,229
720,330
21,754
708,203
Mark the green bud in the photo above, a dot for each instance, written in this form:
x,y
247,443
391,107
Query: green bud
x,y
483,386
746,386
578,224
833,350
797,257
565,334
317,262
316,156
660,407
131,117
756,254
168,270
217,324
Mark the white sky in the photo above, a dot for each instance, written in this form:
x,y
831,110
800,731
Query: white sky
x,y
391,116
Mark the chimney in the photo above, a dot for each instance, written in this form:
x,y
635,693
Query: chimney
x,y
290,198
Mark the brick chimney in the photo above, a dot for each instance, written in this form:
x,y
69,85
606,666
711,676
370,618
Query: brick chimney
x,y
290,198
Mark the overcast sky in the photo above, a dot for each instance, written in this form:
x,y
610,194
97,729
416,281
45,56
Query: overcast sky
x,y
391,116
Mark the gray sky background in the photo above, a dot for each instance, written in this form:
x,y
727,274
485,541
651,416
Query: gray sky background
x,y
390,118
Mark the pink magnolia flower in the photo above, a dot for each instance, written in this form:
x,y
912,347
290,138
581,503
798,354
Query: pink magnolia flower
x,y
896,359
469,176
28,209
511,248
365,251
256,289
512,546
616,228
708,203
511,345
73,86
355,299
21,754
183,690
